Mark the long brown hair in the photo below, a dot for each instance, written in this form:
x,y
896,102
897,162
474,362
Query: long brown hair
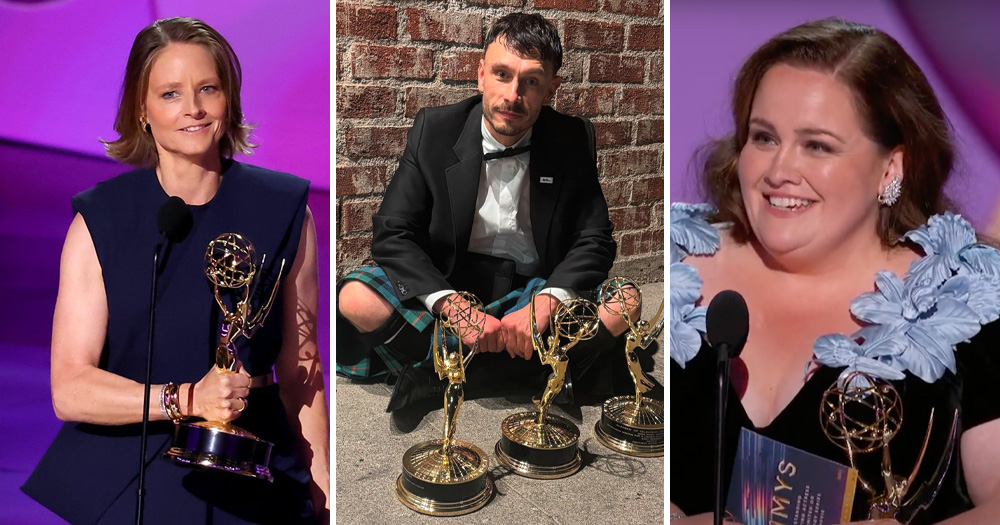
x,y
892,96
135,146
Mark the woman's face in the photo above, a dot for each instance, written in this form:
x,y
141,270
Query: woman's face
x,y
808,174
185,104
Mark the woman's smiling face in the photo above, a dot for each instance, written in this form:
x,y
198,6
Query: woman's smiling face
x,y
809,175
185,104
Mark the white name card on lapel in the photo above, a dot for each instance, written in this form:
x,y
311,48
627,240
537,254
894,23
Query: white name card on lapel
x,y
545,180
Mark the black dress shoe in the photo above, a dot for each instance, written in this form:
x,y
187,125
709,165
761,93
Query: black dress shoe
x,y
593,364
565,396
415,386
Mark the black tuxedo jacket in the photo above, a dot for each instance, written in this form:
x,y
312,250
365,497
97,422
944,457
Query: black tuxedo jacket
x,y
421,231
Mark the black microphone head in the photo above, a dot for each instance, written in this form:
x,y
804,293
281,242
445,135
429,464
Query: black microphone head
x,y
175,220
728,322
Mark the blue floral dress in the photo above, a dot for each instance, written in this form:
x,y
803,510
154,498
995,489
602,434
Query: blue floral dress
x,y
933,335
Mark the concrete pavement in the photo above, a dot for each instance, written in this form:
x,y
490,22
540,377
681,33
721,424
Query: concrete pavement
x,y
610,488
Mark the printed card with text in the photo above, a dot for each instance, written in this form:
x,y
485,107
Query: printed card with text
x,y
775,484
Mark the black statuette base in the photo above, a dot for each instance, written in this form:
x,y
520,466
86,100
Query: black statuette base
x,y
444,483
623,434
221,447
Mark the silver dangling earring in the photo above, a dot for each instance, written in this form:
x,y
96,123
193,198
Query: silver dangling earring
x,y
890,194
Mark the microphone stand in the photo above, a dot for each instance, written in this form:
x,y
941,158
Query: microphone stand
x,y
722,396
728,325
174,222
141,491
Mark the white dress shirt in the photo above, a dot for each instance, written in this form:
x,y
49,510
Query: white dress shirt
x,y
501,226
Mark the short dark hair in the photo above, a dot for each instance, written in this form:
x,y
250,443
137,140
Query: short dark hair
x,y
530,35
894,101
135,146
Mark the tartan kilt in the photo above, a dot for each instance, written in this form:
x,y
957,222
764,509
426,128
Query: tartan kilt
x,y
417,316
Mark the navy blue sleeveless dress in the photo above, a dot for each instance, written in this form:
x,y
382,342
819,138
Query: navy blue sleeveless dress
x,y
89,474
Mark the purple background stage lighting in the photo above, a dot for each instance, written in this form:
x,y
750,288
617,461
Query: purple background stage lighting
x,y
956,50
63,64
62,67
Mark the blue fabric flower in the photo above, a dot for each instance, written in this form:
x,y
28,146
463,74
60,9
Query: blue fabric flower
x,y
928,321
982,260
874,355
890,302
690,232
943,240
687,321
980,291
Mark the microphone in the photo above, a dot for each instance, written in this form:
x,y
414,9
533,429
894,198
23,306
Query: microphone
x,y
727,324
174,222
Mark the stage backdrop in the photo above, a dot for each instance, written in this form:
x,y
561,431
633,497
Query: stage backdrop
x,y
62,63
956,46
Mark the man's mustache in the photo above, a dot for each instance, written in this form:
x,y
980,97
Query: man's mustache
x,y
516,108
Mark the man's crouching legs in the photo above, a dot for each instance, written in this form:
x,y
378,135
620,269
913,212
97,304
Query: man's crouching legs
x,y
363,307
368,320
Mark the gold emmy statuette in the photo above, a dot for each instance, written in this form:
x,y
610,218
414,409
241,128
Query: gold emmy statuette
x,y
861,414
229,264
448,477
632,425
538,444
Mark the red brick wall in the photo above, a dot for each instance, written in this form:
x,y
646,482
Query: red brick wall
x,y
395,57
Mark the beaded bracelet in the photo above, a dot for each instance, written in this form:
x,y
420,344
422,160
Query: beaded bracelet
x,y
175,405
169,402
163,402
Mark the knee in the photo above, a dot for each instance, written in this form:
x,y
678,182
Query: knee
x,y
362,306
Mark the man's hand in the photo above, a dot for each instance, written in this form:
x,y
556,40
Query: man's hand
x,y
492,338
516,326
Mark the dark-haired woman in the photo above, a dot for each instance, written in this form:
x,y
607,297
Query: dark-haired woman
x,y
180,121
828,215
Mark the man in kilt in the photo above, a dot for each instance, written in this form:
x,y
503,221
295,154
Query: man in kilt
x,y
498,196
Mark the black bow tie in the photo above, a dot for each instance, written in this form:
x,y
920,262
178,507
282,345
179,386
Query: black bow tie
x,y
509,152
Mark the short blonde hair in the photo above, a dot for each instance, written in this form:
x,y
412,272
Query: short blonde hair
x,y
135,146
